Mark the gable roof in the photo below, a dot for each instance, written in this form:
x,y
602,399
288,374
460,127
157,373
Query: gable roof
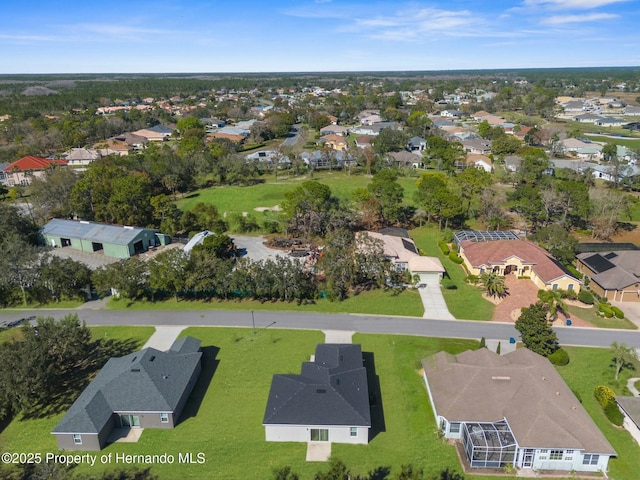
x,y
331,390
613,270
630,406
95,232
31,162
521,387
499,251
144,381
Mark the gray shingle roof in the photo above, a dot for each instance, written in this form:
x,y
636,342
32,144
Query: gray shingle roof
x,y
94,232
331,390
144,381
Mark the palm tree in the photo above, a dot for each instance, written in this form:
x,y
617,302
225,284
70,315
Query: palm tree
x,y
494,285
552,300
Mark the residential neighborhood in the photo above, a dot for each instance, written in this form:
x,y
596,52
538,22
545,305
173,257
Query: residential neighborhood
x,y
254,273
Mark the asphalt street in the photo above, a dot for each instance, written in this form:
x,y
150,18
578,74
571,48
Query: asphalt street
x,y
593,337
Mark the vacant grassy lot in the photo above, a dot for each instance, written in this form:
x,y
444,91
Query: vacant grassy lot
x,y
375,302
465,301
234,199
590,367
625,142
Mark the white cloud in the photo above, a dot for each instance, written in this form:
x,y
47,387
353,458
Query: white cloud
x,y
593,17
572,4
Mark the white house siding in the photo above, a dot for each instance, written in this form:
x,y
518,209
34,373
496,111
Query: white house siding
x,y
302,433
631,427
569,462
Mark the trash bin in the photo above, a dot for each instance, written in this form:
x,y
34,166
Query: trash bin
x,y
512,340
568,322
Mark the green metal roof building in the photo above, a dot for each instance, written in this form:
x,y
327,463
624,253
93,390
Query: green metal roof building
x,y
111,240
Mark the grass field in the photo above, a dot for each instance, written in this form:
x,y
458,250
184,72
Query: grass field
x,y
234,199
223,418
626,142
375,302
465,301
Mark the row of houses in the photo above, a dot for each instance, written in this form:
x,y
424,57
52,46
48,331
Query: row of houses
x,y
503,411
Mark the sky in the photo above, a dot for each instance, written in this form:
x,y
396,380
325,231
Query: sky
x,y
162,36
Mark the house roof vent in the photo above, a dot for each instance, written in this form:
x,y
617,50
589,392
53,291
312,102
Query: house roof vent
x,y
135,369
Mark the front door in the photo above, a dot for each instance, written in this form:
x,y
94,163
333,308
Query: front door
x,y
130,421
527,461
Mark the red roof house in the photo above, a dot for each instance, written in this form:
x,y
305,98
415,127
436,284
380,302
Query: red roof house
x,y
23,170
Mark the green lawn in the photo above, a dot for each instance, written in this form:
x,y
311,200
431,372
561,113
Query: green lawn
x,y
626,142
375,302
235,199
466,301
588,368
590,315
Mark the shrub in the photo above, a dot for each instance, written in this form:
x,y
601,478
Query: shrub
x,y
568,294
606,310
559,357
617,312
613,413
585,296
483,343
455,258
444,247
472,279
603,394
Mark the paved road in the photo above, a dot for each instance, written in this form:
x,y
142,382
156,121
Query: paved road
x,y
356,323
293,139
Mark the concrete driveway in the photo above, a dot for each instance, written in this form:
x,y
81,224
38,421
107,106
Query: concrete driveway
x,y
434,305
255,247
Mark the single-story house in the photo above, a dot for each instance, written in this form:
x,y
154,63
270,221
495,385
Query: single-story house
x,y
321,158
630,408
478,146
327,402
157,133
334,129
403,253
479,161
363,141
81,156
416,144
519,257
26,168
614,275
406,159
610,122
513,410
112,240
587,118
145,389
335,142
632,110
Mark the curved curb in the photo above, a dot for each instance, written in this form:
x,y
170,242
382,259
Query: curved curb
x,y
631,386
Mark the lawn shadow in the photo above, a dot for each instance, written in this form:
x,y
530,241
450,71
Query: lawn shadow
x,y
192,195
209,367
375,397
76,379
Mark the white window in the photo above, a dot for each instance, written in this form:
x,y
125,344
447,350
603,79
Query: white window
x,y
555,455
353,431
77,439
454,428
570,287
590,459
164,418
555,286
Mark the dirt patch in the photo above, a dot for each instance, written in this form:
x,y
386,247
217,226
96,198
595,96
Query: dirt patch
x,y
275,208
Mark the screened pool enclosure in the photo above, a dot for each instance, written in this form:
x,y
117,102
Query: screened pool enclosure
x,y
489,445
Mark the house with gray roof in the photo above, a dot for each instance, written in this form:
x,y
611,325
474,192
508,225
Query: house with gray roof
x,y
327,402
513,410
614,275
145,389
111,240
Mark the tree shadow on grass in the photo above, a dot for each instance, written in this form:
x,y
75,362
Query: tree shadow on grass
x,y
209,367
76,379
375,397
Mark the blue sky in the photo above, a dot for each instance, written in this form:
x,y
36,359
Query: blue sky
x,y
70,36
